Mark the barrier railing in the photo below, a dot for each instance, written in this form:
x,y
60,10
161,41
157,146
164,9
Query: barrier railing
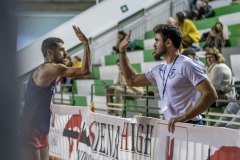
x,y
124,107
63,89
143,109
125,97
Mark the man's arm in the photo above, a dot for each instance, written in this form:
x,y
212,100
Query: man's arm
x,y
132,78
208,97
87,65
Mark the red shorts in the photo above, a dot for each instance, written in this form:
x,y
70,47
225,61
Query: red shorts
x,y
36,138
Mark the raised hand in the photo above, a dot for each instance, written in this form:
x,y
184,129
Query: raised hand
x,y
124,43
80,35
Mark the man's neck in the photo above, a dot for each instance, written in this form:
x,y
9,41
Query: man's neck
x,y
47,60
170,57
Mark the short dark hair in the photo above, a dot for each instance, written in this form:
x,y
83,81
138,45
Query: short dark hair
x,y
50,43
169,32
189,51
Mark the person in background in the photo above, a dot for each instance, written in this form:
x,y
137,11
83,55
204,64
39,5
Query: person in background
x,y
68,80
189,31
219,73
232,108
118,89
132,46
215,39
192,9
68,61
77,62
235,2
203,10
222,32
121,35
171,21
192,54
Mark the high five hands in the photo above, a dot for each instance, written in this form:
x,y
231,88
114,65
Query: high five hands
x,y
124,43
80,35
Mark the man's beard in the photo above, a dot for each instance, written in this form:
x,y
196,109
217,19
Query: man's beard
x,y
58,61
157,55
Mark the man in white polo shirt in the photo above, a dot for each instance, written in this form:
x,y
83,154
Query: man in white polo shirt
x,y
178,80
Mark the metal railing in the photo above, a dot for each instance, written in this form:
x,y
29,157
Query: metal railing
x,y
146,108
62,92
124,106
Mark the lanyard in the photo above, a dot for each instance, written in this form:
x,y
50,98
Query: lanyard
x,y
164,84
